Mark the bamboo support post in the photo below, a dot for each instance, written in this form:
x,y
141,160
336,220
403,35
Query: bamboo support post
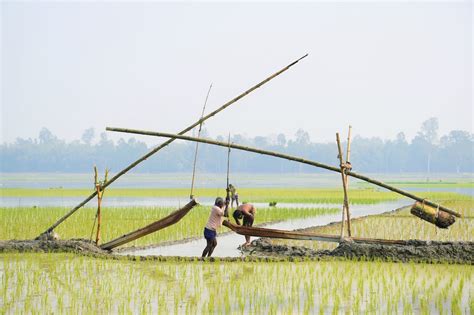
x,y
146,156
348,163
287,157
344,185
99,201
100,193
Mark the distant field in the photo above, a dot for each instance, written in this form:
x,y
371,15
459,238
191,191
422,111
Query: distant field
x,y
293,195
439,184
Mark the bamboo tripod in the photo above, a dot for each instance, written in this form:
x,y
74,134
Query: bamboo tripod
x,y
345,181
344,169
100,193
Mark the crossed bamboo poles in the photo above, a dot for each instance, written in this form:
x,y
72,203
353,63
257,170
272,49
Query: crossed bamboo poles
x,y
290,158
343,166
189,128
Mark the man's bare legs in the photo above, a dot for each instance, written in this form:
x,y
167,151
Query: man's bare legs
x,y
211,244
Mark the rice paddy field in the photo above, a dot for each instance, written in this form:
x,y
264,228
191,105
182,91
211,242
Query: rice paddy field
x,y
77,283
400,226
119,221
67,283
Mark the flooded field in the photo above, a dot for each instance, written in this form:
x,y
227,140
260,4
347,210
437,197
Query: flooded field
x,y
228,243
234,281
68,283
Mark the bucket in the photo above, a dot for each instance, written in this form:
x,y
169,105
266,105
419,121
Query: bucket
x,y
432,215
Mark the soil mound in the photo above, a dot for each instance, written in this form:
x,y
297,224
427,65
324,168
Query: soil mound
x,y
47,246
413,250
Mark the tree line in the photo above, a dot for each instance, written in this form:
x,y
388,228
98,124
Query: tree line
x,y
426,152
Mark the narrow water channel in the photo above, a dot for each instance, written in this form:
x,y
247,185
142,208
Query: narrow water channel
x,y
227,245
175,202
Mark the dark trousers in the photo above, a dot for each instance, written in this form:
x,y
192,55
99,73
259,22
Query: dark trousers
x,y
238,215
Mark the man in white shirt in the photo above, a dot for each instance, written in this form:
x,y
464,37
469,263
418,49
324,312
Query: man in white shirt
x,y
213,223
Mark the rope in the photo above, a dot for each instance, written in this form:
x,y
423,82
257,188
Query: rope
x,y
93,225
191,196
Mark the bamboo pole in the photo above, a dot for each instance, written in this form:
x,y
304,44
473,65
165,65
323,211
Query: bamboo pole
x,y
100,194
99,201
345,207
286,157
294,235
348,152
348,163
191,196
348,167
146,156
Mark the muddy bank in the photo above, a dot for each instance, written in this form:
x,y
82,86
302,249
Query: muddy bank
x,y
49,246
262,250
413,250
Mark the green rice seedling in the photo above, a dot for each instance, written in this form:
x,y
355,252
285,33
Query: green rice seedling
x,y
399,225
118,221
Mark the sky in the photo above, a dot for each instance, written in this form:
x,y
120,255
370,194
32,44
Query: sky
x,y
381,67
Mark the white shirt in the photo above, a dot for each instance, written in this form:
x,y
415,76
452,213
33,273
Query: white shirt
x,y
215,218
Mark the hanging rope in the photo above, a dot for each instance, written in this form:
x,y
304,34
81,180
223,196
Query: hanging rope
x,y
191,196
93,226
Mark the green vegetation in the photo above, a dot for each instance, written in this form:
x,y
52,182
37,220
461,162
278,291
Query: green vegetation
x,y
67,283
279,195
400,225
27,223
432,184
265,195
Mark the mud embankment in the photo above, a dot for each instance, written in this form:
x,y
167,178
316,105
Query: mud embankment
x,y
413,250
263,250
51,246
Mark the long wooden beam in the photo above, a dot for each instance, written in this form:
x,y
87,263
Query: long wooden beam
x,y
146,156
171,219
287,157
292,235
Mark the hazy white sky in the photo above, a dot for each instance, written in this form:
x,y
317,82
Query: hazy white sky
x,y
382,67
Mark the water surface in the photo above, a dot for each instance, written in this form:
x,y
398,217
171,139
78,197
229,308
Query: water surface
x,y
227,244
